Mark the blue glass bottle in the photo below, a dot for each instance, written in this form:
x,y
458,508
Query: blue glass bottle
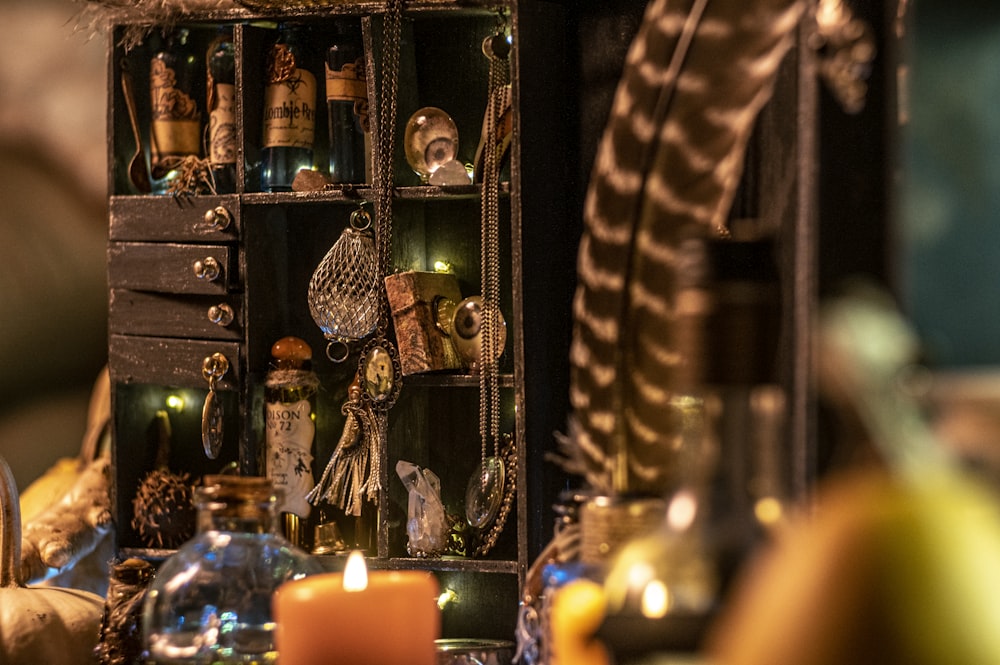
x,y
211,600
289,117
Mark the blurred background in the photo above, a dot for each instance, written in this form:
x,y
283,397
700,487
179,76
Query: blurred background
x,y
53,303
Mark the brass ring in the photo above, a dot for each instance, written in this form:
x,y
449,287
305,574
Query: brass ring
x,y
338,344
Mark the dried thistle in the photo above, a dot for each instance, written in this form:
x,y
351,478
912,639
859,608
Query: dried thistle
x,y
162,510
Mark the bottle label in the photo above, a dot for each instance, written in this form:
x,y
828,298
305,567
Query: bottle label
x,y
176,123
175,138
222,125
289,434
348,85
289,102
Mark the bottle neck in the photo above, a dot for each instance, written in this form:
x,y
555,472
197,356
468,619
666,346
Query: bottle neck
x,y
237,505
238,517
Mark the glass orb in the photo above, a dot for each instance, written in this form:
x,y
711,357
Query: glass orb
x,y
431,140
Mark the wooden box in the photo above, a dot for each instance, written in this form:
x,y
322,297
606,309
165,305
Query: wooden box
x,y
416,298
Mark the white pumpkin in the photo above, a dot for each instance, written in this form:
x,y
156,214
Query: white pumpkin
x,y
44,624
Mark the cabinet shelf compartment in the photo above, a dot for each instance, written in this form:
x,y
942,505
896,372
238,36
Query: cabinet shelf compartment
x,y
134,62
137,413
438,429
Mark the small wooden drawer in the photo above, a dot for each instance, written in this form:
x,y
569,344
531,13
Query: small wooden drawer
x,y
172,268
170,362
200,317
166,219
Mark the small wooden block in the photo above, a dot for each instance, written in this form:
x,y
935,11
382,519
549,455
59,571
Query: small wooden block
x,y
413,298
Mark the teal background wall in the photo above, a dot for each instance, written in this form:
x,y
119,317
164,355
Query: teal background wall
x,y
949,213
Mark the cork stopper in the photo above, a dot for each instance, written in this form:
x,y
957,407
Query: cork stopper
x,y
291,353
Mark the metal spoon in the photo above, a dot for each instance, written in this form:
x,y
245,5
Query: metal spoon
x,y
138,172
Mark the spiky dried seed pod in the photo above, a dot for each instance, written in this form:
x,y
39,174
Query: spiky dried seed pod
x,y
162,510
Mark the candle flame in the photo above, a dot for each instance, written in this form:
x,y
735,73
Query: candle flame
x,y
355,572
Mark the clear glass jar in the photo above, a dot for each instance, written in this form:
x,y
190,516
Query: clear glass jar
x,y
211,600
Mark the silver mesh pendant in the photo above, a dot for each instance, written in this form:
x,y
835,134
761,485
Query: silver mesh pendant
x,y
343,291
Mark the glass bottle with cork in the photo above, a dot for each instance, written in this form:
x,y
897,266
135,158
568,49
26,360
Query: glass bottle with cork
x,y
289,117
290,430
210,601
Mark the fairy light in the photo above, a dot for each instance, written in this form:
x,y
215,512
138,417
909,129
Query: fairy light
x,y
447,597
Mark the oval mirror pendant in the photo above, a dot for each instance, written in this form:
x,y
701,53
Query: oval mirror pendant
x,y
378,374
484,493
211,425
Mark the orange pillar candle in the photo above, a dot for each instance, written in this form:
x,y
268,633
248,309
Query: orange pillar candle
x,y
358,617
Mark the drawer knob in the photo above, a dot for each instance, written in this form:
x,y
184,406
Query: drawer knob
x,y
218,218
207,269
221,314
213,368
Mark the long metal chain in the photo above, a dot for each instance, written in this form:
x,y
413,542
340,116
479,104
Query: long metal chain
x,y
386,144
489,381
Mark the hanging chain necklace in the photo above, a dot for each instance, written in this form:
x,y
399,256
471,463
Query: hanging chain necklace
x,y
386,149
489,379
379,368
354,473
347,297
491,490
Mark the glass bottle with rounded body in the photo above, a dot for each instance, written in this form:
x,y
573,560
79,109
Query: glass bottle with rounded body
x,y
211,600
289,111
221,90
289,425
175,119
347,109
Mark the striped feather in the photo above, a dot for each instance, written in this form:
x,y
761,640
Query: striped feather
x,y
666,171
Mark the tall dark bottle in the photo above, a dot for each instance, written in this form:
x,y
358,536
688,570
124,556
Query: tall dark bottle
x,y
221,92
347,107
175,127
289,111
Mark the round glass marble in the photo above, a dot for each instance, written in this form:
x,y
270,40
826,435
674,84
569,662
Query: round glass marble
x,y
430,141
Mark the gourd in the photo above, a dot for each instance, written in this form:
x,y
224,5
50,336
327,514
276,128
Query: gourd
x,y
59,479
39,625
895,564
66,513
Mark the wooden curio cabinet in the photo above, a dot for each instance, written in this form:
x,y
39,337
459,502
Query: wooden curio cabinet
x,y
195,276
192,278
